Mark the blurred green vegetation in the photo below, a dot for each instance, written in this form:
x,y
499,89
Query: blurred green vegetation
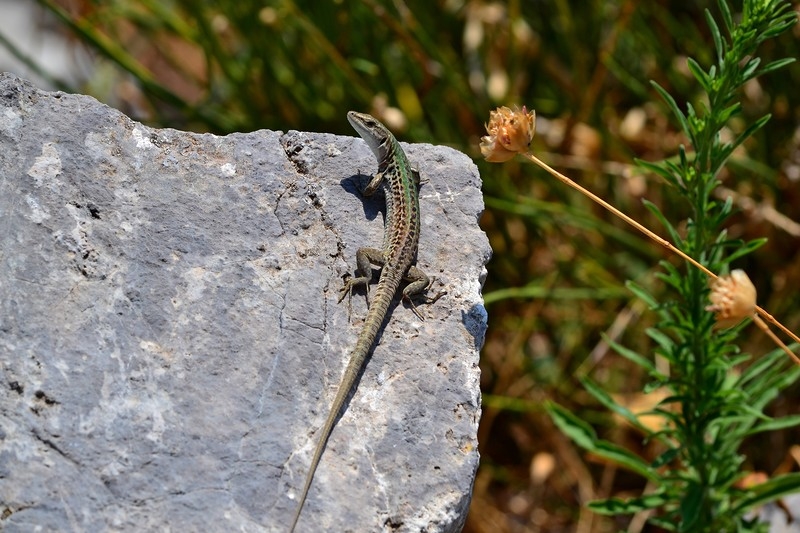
x,y
432,71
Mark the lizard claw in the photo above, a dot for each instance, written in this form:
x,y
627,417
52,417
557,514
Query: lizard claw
x,y
428,300
414,309
346,290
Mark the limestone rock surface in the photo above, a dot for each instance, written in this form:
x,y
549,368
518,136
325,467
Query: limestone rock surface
x,y
170,338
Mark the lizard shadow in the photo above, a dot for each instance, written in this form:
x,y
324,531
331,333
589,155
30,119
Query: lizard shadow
x,y
372,205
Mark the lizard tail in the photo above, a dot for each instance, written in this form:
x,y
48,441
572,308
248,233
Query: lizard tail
x,y
384,293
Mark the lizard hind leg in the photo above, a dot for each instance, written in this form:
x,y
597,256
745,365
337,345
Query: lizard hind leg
x,y
419,283
365,258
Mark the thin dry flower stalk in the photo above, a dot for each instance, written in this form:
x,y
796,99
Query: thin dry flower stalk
x,y
510,132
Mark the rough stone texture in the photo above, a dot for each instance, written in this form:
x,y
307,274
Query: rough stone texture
x,y
170,340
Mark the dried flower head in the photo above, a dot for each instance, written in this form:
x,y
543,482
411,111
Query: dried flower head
x,y
733,298
510,132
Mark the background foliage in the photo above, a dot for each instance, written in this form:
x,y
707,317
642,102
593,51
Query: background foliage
x,y
432,71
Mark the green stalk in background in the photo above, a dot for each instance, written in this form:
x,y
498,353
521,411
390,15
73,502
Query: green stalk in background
x,y
710,406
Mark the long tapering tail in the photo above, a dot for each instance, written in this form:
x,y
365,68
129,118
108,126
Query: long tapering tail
x,y
384,293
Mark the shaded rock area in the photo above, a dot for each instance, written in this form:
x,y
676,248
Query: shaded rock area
x,y
170,337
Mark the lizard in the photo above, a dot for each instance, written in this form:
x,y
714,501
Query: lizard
x,y
400,183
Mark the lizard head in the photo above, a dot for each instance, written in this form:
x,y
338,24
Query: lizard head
x,y
376,135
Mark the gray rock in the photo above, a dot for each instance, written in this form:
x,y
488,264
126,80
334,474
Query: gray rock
x,y
170,339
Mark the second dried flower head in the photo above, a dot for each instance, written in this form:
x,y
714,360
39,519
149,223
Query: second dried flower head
x,y
733,298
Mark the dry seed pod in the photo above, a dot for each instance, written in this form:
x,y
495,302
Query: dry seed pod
x,y
733,298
